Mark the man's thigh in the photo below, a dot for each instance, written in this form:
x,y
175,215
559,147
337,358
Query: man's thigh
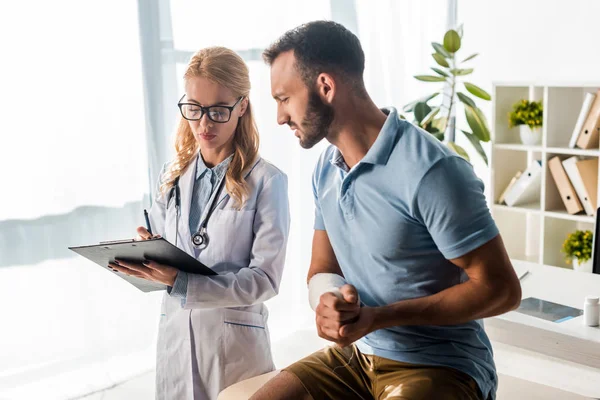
x,y
401,381
335,373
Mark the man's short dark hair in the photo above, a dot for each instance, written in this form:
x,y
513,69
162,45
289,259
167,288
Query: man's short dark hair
x,y
322,46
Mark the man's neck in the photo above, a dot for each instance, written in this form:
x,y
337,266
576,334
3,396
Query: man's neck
x,y
357,130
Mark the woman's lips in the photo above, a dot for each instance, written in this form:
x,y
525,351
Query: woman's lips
x,y
205,136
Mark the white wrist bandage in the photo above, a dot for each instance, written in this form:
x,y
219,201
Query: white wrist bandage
x,y
324,283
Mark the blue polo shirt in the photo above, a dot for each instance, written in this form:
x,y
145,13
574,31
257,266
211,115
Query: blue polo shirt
x,y
394,220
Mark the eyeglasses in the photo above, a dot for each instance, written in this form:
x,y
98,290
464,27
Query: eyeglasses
x,y
195,112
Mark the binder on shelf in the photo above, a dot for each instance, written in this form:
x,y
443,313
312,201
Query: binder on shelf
x,y
588,171
564,186
583,113
526,189
510,184
588,137
571,168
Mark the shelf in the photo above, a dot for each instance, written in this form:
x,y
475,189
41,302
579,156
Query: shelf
x,y
570,217
575,152
516,146
553,150
536,231
534,208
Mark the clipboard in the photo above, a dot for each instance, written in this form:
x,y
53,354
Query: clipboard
x,y
159,250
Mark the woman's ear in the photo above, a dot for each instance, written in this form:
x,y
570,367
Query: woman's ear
x,y
243,106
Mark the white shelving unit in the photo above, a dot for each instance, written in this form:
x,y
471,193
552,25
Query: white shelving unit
x,y
535,232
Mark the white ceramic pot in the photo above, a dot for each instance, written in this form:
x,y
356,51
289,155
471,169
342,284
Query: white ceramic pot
x,y
530,137
583,267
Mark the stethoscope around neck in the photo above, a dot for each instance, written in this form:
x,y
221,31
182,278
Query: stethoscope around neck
x,y
200,238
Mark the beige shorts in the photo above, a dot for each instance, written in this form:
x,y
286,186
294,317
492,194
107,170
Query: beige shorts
x,y
336,373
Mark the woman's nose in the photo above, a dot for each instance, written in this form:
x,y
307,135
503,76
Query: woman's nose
x,y
205,122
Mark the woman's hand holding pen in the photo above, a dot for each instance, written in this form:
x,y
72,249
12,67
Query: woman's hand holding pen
x,y
143,234
149,270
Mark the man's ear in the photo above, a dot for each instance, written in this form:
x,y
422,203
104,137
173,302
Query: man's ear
x,y
326,87
243,106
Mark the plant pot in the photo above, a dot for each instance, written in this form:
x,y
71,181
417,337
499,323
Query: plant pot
x,y
530,137
583,267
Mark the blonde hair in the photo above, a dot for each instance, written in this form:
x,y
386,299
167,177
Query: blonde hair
x,y
228,69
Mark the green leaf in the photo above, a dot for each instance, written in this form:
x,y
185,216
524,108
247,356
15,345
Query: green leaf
x,y
430,78
421,111
440,123
410,106
477,145
460,72
440,50
434,111
477,91
451,41
439,136
459,150
472,56
466,99
440,60
441,72
478,123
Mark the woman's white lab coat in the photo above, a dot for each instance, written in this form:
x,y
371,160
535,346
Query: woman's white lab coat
x,y
218,335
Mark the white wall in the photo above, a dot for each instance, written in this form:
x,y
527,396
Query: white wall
x,y
542,40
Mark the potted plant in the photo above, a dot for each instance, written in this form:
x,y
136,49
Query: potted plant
x,y
439,118
578,250
528,116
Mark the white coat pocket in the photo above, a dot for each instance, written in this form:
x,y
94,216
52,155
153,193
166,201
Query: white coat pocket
x,y
246,343
232,231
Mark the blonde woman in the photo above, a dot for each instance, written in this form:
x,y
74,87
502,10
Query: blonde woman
x,y
223,204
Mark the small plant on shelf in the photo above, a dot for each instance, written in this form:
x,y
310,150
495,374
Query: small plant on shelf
x,y
528,116
578,250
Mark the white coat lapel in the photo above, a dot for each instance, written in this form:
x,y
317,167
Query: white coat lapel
x,y
224,193
186,183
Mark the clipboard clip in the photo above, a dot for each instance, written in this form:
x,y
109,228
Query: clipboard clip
x,y
118,241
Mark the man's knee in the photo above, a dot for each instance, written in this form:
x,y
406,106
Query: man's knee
x,y
283,386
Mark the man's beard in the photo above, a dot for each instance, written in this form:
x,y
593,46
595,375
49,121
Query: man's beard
x,y
316,124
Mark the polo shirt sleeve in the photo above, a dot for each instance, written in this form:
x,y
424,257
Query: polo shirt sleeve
x,y
319,224
450,202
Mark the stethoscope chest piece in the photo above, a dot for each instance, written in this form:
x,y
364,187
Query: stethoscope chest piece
x,y
200,239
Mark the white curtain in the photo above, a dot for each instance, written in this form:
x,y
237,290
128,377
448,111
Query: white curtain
x,y
73,168
396,36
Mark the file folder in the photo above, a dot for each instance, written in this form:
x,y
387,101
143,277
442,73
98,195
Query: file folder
x,y
564,186
588,171
509,186
588,138
526,189
159,250
583,113
572,170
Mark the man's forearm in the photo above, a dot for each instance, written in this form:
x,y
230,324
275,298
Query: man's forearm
x,y
458,304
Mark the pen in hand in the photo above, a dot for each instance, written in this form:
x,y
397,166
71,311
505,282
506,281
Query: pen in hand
x,y
148,227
